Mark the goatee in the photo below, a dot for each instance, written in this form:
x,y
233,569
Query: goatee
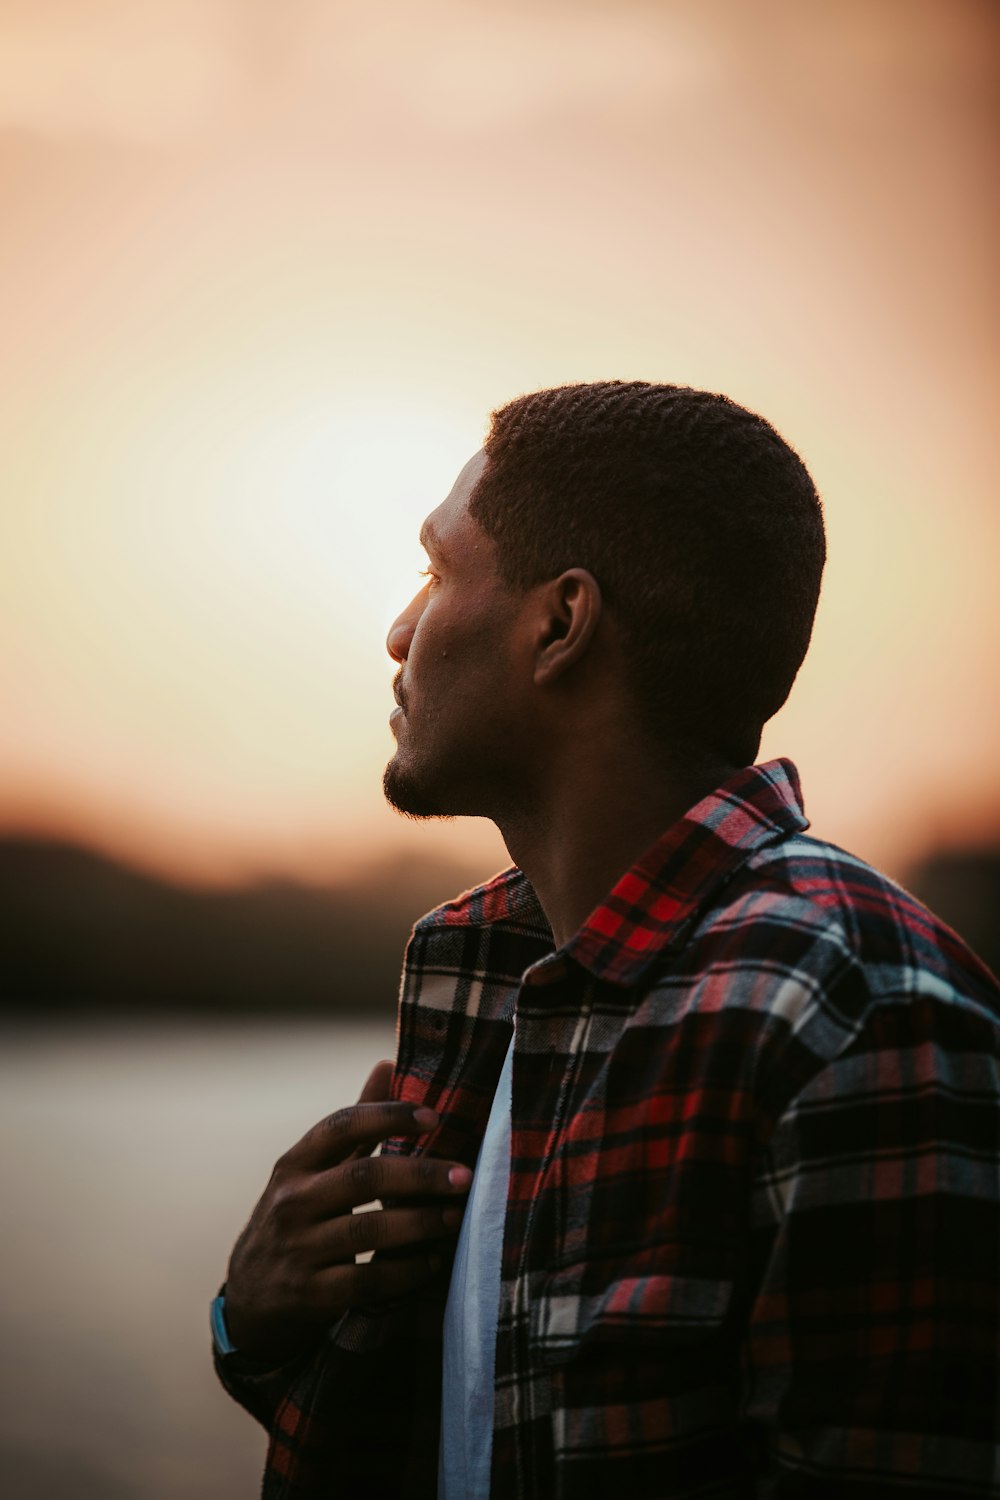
x,y
406,796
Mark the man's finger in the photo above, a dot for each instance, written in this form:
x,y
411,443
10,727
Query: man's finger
x,y
378,1281
334,1139
336,1243
362,1179
377,1087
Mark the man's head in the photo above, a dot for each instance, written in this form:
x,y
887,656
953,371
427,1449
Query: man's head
x,y
701,526
656,547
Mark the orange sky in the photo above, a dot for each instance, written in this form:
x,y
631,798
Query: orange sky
x,y
265,271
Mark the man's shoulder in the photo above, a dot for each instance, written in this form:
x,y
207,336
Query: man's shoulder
x,y
811,955
811,894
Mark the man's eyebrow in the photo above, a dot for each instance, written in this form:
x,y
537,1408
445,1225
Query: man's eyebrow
x,y
429,539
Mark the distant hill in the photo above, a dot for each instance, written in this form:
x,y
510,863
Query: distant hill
x,y
80,932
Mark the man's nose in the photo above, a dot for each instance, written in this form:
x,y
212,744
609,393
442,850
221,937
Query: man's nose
x,y
397,642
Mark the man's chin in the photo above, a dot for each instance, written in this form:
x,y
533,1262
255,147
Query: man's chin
x,y
407,796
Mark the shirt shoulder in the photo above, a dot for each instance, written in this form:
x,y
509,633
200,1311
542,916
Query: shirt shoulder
x,y
807,883
810,951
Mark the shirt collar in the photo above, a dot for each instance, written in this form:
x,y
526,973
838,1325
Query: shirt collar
x,y
653,903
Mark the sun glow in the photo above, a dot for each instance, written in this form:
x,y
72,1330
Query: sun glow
x,y
228,567
262,286
315,507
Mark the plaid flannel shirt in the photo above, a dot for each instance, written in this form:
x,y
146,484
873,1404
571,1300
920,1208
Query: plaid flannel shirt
x,y
753,1225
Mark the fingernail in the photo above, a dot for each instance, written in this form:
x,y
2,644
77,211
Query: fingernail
x,y
460,1177
425,1117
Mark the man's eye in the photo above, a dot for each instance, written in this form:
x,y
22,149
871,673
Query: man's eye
x,y
428,573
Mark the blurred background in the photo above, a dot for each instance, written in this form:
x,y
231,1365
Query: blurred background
x,y
264,271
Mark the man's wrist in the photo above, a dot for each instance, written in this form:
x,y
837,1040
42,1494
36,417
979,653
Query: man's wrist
x,y
236,1357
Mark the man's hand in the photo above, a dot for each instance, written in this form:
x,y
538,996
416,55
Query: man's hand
x,y
293,1269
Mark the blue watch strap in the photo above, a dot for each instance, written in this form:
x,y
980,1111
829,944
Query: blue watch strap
x,y
220,1333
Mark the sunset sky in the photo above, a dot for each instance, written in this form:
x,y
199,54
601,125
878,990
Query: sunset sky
x,y
266,269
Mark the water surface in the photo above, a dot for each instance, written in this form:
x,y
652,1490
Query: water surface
x,y
131,1158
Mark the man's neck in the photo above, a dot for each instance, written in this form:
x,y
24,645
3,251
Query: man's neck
x,y
592,828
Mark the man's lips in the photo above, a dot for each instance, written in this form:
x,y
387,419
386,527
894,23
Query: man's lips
x,y
400,710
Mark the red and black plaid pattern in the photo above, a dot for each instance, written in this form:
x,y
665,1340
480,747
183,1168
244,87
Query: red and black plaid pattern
x,y
753,1224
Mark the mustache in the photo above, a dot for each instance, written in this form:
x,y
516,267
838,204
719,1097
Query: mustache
x,y
397,690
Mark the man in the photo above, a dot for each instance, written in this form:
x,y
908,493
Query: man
x,y
730,1095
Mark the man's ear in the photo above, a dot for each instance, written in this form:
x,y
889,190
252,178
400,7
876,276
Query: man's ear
x,y
569,610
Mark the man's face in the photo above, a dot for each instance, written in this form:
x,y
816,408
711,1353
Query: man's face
x,y
457,687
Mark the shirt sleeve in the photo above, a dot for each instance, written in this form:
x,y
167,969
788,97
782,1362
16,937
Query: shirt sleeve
x,y
328,1413
872,1337
259,1387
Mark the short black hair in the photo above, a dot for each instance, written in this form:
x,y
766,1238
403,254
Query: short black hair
x,y
701,526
